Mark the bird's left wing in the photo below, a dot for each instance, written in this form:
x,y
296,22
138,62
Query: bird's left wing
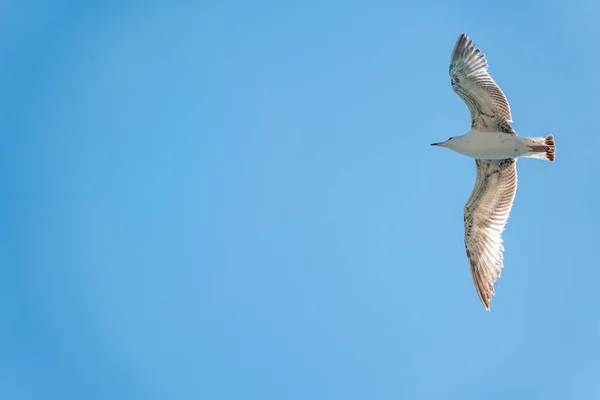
x,y
486,213
470,79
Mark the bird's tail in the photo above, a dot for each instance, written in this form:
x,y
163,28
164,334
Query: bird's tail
x,y
542,148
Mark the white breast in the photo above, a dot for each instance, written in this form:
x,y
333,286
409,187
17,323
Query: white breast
x,y
487,145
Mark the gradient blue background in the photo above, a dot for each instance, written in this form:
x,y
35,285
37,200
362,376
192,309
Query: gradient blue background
x,y
238,200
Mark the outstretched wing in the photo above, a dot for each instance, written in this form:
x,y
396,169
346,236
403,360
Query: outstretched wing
x,y
486,213
489,108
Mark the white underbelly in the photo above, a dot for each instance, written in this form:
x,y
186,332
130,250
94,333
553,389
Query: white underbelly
x,y
493,146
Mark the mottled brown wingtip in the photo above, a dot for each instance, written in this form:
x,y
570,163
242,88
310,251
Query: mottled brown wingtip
x,y
485,295
486,303
551,152
483,285
465,41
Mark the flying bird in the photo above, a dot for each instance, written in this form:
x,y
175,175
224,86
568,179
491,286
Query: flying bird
x,y
495,146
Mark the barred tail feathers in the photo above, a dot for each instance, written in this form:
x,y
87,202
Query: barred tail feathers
x,y
542,148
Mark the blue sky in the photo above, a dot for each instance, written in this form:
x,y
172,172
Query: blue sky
x,y
238,200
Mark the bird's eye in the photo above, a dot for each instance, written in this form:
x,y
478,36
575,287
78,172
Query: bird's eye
x,y
450,138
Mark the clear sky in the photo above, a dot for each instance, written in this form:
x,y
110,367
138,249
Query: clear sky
x,y
238,200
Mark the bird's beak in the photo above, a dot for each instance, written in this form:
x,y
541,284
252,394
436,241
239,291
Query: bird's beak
x,y
437,144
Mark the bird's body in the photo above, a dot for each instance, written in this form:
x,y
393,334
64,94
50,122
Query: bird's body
x,y
495,146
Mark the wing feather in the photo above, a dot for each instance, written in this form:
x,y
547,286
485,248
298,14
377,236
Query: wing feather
x,y
486,213
487,103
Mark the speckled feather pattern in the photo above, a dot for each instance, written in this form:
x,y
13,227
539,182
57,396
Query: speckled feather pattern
x,y
486,214
487,103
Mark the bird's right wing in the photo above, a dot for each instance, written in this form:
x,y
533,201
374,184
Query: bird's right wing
x,y
489,108
486,213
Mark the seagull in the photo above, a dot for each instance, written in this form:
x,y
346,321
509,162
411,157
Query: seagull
x,y
495,146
